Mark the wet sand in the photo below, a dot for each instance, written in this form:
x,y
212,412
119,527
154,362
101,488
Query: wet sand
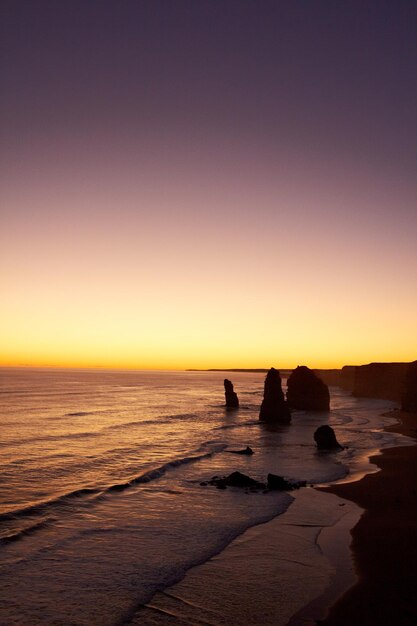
x,y
269,573
384,541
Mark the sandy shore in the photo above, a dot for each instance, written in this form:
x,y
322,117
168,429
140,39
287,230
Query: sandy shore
x,y
268,574
384,541
292,569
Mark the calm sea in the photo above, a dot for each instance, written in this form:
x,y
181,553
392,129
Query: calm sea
x,y
101,502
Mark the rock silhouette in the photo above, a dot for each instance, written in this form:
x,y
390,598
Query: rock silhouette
x,y
247,451
409,397
325,438
307,391
232,401
237,479
274,408
278,483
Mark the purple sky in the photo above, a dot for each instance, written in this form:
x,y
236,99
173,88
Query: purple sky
x,y
241,138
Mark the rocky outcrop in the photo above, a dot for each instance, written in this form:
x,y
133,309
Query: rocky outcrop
x,y
274,408
306,391
409,397
325,438
232,401
237,479
380,380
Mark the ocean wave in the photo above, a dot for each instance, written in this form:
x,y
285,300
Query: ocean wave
x,y
47,438
85,492
41,507
157,472
24,532
164,419
240,425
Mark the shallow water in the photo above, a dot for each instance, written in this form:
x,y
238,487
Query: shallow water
x,y
101,502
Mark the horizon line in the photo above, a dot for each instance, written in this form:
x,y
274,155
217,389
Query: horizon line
x,y
217,369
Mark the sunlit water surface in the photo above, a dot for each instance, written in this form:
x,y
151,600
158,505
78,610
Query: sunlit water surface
x,y
101,502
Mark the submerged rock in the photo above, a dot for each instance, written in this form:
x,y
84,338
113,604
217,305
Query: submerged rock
x,y
236,479
409,397
307,391
325,438
232,401
248,451
274,408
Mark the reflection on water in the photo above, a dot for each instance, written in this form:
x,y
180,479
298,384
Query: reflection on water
x,y
101,500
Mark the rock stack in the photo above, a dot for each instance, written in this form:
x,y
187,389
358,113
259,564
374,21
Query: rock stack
x,y
409,397
232,401
325,438
274,408
306,391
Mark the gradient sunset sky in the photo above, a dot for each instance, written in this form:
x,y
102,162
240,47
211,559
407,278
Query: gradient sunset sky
x,y
191,184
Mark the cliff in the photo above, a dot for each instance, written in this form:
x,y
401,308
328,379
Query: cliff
x,y
380,380
409,397
347,377
330,377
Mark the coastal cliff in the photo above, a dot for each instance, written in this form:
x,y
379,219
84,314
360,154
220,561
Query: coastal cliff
x,y
380,380
409,396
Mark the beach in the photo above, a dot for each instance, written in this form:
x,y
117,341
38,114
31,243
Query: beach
x,y
295,569
384,542
286,571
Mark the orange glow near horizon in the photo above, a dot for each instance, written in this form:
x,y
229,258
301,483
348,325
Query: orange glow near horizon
x,y
165,288
203,187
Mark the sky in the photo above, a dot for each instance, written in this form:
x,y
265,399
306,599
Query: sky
x,y
221,183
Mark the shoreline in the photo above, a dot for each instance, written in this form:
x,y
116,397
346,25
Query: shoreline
x,y
249,575
384,541
268,574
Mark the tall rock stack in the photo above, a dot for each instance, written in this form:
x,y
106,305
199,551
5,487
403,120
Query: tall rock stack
x,y
307,391
274,408
409,397
232,401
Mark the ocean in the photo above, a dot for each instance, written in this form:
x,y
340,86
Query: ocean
x,y
101,502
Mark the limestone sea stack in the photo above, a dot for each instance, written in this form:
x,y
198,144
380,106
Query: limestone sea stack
x,y
307,391
409,397
274,408
232,401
